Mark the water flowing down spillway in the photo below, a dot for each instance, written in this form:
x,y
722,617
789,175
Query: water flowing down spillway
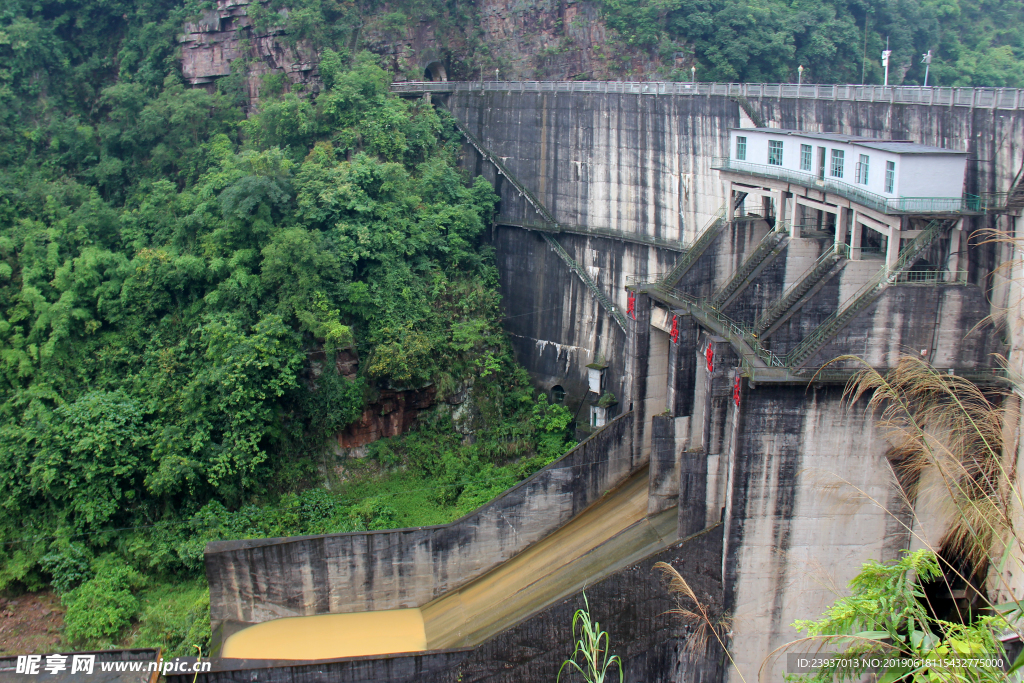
x,y
609,535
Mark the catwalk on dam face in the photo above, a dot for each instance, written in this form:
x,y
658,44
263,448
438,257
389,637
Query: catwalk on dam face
x,y
610,534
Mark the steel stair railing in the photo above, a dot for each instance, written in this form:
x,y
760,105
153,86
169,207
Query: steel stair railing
x,y
739,334
550,221
587,280
865,295
769,245
523,190
798,289
713,228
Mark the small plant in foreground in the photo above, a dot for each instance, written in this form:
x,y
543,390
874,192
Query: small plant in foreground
x,y
592,647
701,617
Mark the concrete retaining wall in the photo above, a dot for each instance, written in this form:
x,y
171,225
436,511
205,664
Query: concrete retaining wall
x,y
631,605
258,580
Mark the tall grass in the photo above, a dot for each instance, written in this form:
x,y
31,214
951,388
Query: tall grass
x,y
593,649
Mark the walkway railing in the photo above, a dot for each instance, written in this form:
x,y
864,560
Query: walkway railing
x,y
980,98
549,219
803,284
737,331
768,248
865,295
891,205
932,277
693,252
663,242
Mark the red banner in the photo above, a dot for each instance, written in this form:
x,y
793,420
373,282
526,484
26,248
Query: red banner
x,y
631,306
710,355
736,391
674,332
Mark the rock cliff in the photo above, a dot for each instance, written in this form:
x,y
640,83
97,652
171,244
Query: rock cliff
x,y
503,39
222,36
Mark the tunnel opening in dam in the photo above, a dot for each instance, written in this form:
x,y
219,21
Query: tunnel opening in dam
x,y
435,71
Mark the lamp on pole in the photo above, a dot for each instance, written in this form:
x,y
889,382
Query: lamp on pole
x,y
693,74
800,75
927,59
885,60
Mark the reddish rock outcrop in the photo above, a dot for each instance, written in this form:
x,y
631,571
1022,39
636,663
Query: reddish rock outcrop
x,y
389,413
394,413
223,35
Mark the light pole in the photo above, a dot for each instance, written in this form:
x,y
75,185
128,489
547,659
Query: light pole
x,y
927,58
885,60
693,74
800,75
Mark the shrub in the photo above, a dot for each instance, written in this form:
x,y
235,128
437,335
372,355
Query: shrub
x,y
68,566
100,609
176,618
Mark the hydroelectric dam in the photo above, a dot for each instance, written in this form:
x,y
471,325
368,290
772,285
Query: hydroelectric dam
x,y
679,263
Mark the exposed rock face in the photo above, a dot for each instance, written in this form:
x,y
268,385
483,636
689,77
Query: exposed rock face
x,y
226,34
390,412
346,363
545,39
548,39
393,413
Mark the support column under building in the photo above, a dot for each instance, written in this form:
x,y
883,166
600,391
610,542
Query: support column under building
x,y
794,225
841,226
892,249
855,236
953,262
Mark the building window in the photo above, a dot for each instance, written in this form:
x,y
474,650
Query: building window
x,y
775,152
805,157
741,148
890,176
837,163
862,170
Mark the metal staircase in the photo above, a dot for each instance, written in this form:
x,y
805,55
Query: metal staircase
x,y
770,246
746,340
867,294
811,277
503,170
712,230
583,275
550,221
1015,197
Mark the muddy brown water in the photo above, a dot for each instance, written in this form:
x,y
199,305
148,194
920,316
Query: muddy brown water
x,y
610,534
326,636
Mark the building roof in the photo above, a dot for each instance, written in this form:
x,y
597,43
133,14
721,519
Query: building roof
x,y
894,146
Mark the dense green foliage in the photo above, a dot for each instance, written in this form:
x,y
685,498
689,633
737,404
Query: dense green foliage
x,y
887,618
973,42
169,268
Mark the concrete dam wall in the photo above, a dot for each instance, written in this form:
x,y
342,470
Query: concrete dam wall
x,y
615,244
628,176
